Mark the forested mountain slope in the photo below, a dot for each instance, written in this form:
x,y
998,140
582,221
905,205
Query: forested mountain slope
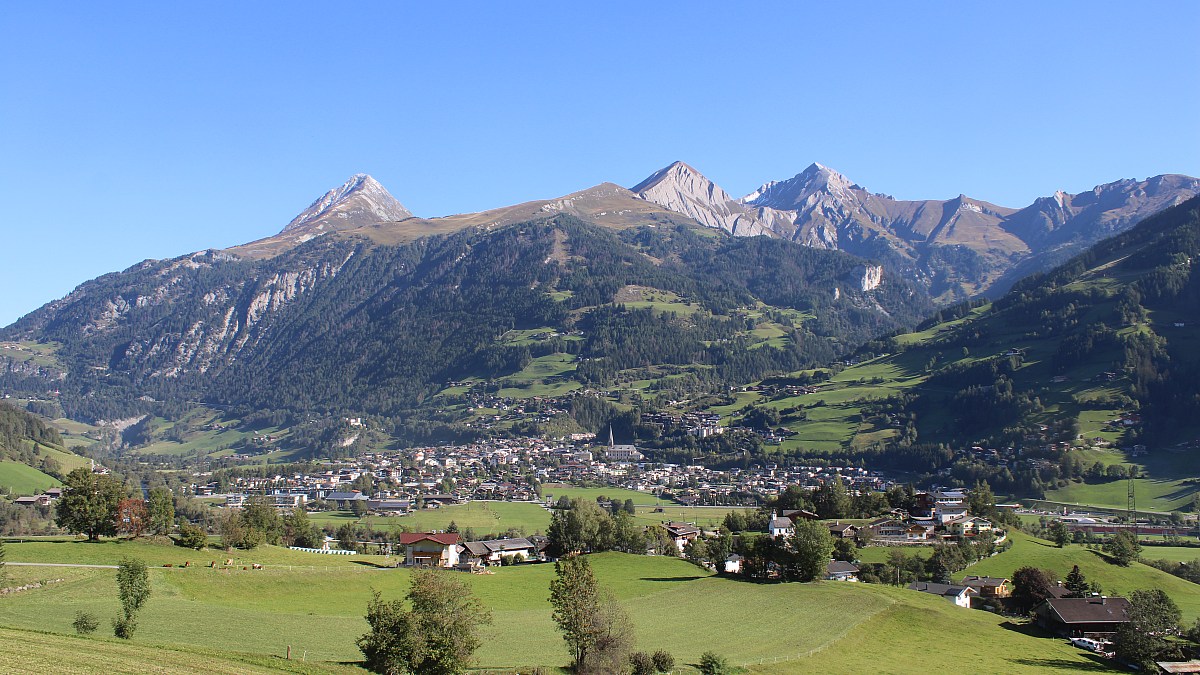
x,y
347,325
1095,361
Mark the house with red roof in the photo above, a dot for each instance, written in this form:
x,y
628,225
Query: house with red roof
x,y
428,549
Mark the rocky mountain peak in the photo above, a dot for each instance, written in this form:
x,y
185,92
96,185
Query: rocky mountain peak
x,y
680,176
793,192
359,201
682,189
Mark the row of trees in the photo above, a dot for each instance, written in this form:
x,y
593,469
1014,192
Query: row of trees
x,y
99,505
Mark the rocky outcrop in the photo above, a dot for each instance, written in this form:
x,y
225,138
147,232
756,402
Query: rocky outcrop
x,y
869,277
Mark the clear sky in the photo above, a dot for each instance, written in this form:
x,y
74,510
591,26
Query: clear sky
x,y
149,130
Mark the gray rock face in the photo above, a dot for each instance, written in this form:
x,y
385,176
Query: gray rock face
x,y
684,190
959,247
359,201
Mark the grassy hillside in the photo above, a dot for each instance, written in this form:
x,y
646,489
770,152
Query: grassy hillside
x,y
482,517
673,604
21,479
1110,335
1114,579
25,651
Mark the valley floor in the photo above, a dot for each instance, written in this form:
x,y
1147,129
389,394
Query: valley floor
x,y
317,609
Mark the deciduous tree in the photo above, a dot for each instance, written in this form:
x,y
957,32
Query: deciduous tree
x,y
1030,587
812,547
133,589
132,517
89,504
595,627
298,530
1153,618
436,634
1123,548
161,508
1059,533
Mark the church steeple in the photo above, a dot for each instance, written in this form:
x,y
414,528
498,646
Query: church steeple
x,y
611,442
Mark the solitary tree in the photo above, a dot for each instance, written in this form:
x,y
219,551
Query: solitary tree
x,y
1123,548
161,511
1030,587
133,588
89,504
812,547
1059,533
435,635
1153,617
596,629
580,528
191,536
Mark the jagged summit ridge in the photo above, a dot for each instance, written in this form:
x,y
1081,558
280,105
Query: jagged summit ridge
x,y
682,189
359,201
791,193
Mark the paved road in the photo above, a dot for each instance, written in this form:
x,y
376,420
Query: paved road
x,y
103,567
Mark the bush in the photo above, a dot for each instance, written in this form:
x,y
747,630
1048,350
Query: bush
x,y
124,627
663,661
85,623
191,536
713,664
641,663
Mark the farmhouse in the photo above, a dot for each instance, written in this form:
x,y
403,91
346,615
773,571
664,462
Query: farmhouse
x,y
842,531
1082,617
959,595
837,570
988,587
429,549
682,533
494,550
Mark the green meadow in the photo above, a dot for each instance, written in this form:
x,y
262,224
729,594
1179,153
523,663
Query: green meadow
x,y
1115,580
21,479
251,617
482,517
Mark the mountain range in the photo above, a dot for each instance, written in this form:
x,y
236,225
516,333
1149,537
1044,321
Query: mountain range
x,y
957,248
359,306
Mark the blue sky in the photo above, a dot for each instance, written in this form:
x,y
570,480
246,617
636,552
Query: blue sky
x,y
148,130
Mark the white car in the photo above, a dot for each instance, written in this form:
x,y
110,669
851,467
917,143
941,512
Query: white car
x,y
1090,644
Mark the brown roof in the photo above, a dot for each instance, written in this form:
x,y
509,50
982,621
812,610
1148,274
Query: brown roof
x,y
1090,610
983,581
445,538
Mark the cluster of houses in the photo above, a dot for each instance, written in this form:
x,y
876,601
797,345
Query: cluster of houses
x,y
1096,616
509,469
938,515
43,499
